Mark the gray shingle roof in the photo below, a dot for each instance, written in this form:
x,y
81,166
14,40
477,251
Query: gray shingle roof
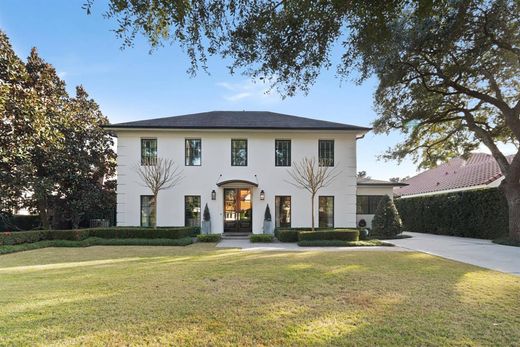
x,y
363,181
236,120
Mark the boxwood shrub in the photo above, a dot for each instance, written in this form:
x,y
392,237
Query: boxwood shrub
x,y
261,238
143,233
19,237
341,243
472,213
209,237
287,235
336,234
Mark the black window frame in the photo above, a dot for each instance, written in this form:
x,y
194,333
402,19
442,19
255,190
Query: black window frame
x,y
148,159
285,162
333,212
326,155
233,157
153,213
277,215
367,204
188,151
199,218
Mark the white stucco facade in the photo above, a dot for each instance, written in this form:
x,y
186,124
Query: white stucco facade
x,y
216,167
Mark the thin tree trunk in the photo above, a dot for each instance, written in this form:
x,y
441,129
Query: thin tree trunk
x,y
312,212
44,213
512,194
155,210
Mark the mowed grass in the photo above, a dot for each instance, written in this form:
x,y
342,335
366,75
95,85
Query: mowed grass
x,y
202,296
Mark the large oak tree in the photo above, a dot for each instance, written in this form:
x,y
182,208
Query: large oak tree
x,y
448,71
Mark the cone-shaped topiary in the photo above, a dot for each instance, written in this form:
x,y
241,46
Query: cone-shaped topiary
x,y
267,215
206,215
387,223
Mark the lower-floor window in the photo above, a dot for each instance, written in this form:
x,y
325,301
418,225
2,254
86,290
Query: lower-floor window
x,y
148,211
367,204
326,212
283,211
192,210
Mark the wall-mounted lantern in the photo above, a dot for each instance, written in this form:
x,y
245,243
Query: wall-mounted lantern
x,y
213,195
262,195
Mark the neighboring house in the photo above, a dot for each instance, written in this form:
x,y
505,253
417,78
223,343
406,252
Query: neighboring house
x,y
236,162
369,193
478,171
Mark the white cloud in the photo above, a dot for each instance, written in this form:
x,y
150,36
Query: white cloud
x,y
248,90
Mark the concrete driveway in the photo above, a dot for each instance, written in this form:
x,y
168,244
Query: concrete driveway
x,y
483,253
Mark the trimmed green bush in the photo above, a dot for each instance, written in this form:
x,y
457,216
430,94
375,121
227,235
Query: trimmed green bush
x,y
72,235
143,233
261,238
386,223
209,237
340,243
287,235
336,234
19,237
472,213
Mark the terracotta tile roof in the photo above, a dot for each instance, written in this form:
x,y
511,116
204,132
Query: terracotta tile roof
x,y
478,169
364,181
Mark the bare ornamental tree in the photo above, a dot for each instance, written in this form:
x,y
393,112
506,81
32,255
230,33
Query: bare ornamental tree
x,y
159,175
309,175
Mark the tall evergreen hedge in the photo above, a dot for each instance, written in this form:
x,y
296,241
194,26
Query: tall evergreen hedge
x,y
473,213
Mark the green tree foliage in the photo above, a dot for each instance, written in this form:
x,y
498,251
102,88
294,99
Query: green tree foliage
x,y
55,157
386,223
448,70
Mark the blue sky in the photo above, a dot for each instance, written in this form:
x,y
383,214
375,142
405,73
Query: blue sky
x,y
132,84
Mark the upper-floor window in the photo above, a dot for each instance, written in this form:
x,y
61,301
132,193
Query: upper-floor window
x,y
326,152
282,152
148,151
239,152
193,152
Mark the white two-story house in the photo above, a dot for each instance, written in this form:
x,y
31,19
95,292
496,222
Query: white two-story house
x,y
237,163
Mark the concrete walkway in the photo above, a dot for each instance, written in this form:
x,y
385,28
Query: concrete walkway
x,y
483,253
246,245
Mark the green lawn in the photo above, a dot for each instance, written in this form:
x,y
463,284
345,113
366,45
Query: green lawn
x,y
199,295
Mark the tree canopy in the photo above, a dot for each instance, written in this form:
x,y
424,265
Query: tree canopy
x,y
55,157
448,71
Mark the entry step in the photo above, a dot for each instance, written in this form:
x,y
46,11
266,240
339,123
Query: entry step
x,y
236,236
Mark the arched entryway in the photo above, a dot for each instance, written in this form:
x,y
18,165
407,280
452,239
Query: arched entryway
x,y
238,205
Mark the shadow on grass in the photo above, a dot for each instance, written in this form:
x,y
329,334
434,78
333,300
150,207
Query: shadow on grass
x,y
205,296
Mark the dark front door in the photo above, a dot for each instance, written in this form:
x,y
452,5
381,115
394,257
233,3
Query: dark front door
x,y
238,210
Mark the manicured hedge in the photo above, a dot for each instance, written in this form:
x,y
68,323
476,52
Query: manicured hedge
x,y
473,213
16,238
19,237
209,237
336,234
261,238
287,235
143,233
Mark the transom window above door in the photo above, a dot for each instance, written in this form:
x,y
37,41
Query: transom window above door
x,y
193,152
239,152
282,152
